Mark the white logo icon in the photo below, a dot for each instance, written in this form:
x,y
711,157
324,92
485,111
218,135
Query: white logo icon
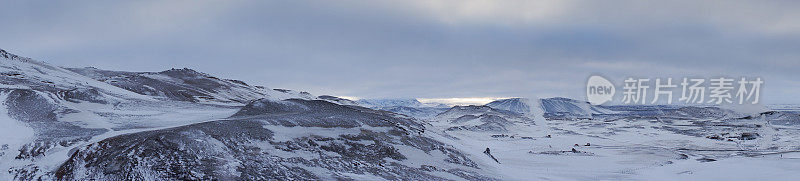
x,y
599,90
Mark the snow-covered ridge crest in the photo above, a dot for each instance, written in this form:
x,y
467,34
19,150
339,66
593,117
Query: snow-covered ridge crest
x,y
62,110
187,85
285,140
337,100
519,105
23,72
565,107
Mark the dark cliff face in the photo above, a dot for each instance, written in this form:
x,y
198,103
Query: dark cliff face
x,y
284,140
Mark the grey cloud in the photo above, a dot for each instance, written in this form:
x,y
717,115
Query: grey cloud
x,y
417,48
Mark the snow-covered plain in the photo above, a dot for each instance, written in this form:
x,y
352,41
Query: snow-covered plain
x,y
632,147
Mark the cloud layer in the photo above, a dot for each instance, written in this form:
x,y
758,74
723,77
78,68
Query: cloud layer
x,y
427,49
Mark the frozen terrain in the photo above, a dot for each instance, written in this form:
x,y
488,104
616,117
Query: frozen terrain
x,y
179,124
49,112
410,107
519,105
578,141
291,139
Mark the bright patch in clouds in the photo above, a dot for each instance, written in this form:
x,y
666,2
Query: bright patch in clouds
x,y
349,98
435,49
460,101
453,101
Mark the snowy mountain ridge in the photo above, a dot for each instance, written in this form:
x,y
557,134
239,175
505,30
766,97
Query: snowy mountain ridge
x,y
51,110
180,124
186,85
519,105
290,139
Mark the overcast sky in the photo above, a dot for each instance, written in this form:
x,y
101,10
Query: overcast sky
x,y
422,49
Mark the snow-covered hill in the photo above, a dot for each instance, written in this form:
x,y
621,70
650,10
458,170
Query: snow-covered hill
x,y
285,140
480,119
409,107
781,118
564,108
45,108
519,105
621,142
337,100
416,112
559,108
186,85
48,111
180,124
